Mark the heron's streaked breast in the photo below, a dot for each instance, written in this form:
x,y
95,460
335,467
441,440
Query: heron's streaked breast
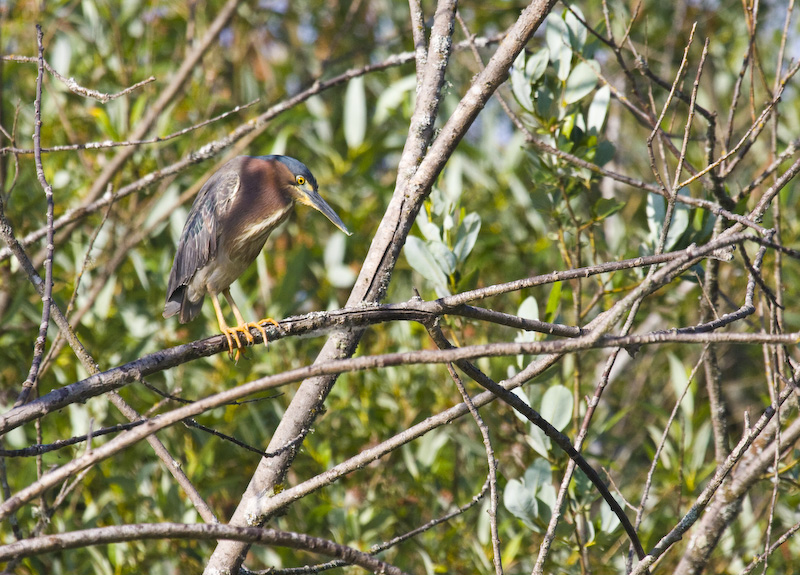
x,y
255,233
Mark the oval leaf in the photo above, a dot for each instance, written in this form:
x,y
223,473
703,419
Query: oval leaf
x,y
520,501
582,80
557,406
443,256
420,258
355,113
577,31
520,83
538,474
598,109
467,236
537,64
558,43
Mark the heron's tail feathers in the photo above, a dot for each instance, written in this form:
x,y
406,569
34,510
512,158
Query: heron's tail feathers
x,y
179,302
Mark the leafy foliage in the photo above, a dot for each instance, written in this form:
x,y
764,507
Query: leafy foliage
x,y
502,209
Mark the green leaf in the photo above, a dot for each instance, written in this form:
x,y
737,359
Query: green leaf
x,y
136,258
519,392
528,309
338,274
60,55
656,212
605,207
700,443
544,101
430,230
538,441
392,97
410,461
467,235
567,124
104,122
537,65
553,301
521,83
598,109
538,474
420,258
429,446
102,306
520,500
557,406
582,80
355,113
511,547
443,256
604,153
577,31
546,497
679,378
558,43
609,522
582,488
453,179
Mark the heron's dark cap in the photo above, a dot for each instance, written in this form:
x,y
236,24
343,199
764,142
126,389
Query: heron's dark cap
x,y
297,167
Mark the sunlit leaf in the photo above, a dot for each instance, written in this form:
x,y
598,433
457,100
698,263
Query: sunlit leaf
x,y
582,80
537,64
519,392
656,213
577,31
392,97
520,500
679,379
538,441
538,474
337,273
420,258
598,109
558,43
60,56
355,113
453,179
557,406
443,257
609,521
521,83
429,446
429,229
467,236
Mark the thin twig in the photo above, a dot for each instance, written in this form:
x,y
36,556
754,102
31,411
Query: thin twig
x,y
435,331
47,296
76,88
110,144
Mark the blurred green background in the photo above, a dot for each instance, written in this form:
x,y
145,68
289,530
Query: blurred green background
x,y
501,210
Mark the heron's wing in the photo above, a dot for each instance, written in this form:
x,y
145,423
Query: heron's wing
x,y
198,243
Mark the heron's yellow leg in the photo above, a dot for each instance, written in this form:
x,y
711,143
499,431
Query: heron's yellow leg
x,y
227,331
244,326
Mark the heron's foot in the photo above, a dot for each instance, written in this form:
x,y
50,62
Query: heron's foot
x,y
236,346
232,335
260,327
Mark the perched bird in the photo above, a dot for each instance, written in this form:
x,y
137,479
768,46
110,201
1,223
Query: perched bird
x,y
234,212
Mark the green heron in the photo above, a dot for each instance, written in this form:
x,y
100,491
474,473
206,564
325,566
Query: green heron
x,y
234,212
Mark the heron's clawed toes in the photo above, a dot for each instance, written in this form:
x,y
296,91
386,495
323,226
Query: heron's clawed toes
x,y
232,334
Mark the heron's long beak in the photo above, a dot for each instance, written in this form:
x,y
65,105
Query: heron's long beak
x,y
311,198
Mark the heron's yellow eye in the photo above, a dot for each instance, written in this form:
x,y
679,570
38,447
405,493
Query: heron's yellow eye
x,y
300,180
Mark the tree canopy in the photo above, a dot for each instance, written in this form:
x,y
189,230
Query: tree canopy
x,y
574,245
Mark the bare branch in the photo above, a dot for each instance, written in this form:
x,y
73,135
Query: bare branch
x,y
144,531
